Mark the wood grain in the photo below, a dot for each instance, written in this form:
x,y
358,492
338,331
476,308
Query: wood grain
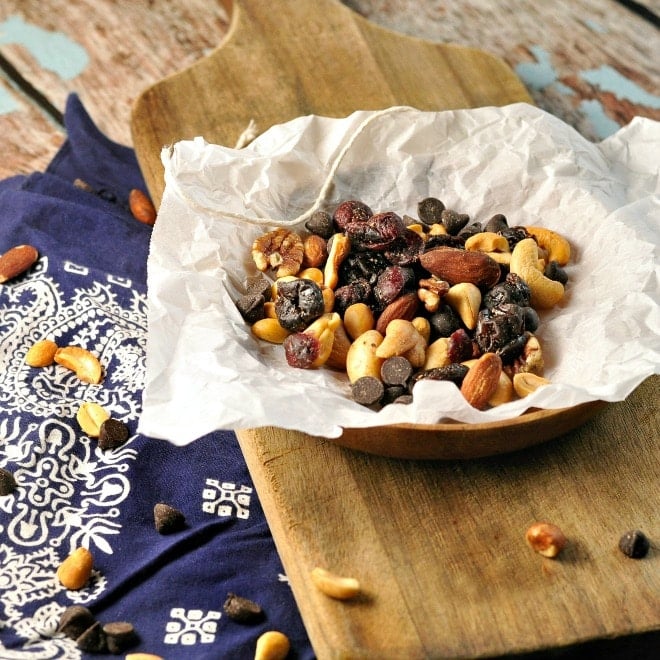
x,y
439,546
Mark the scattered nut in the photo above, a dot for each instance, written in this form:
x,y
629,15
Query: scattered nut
x,y
335,586
76,569
41,353
340,246
90,417
16,261
546,539
272,645
86,366
142,656
558,248
634,544
315,251
487,241
141,207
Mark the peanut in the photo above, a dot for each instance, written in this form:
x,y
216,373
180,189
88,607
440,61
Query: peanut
x,y
41,353
76,569
270,330
546,539
400,337
358,318
272,645
335,586
90,416
526,382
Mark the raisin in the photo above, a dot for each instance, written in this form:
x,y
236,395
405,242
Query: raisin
x,y
634,544
514,235
443,240
298,303
513,349
555,272
512,290
362,266
301,350
391,283
444,321
498,326
242,610
350,211
531,319
358,291
406,249
454,373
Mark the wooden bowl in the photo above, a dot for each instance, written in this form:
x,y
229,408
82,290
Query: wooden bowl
x,y
464,441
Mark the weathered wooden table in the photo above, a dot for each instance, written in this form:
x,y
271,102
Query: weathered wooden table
x,y
593,63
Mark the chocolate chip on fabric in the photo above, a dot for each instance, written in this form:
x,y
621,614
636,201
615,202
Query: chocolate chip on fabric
x,y
168,519
7,482
75,620
92,640
120,635
112,434
242,610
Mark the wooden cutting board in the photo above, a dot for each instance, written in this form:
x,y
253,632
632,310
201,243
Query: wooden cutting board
x,y
437,546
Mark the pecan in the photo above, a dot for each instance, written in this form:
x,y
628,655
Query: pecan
x,y
280,249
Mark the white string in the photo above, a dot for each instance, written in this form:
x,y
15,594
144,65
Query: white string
x,y
250,132
327,183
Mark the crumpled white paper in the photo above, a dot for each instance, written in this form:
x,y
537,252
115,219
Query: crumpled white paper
x,y
205,371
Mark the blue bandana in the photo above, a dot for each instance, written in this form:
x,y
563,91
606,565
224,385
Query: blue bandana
x,y
88,289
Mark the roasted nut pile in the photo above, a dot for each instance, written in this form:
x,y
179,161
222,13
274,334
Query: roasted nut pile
x,y
393,299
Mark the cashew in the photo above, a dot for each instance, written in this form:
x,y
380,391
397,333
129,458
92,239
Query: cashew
x,y
557,247
76,569
90,416
339,351
400,337
358,318
437,229
487,241
525,383
437,354
361,359
465,299
430,299
272,645
41,353
335,586
270,330
339,249
545,293
504,392
87,367
328,298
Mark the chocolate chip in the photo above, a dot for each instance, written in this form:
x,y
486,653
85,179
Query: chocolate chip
x,y
251,307
7,482
92,640
396,370
242,609
393,392
367,390
404,399
634,544
430,210
120,635
259,285
168,519
321,224
75,620
112,434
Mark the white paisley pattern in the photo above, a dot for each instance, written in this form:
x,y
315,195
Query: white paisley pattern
x,y
70,492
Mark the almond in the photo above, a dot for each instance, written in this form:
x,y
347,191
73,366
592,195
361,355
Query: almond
x,y
481,381
404,307
141,207
456,265
16,261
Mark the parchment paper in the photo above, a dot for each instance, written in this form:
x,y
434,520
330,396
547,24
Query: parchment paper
x,y
206,371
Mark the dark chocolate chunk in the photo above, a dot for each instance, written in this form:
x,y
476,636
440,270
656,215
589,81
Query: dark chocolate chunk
x,y
242,610
75,620
7,482
634,544
92,640
112,434
251,307
120,635
367,390
168,519
396,370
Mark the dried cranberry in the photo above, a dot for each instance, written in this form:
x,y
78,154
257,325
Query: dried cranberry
x,y
350,211
391,283
301,350
298,303
358,291
498,326
406,249
459,346
378,233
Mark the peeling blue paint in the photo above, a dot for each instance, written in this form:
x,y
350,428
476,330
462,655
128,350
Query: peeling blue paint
x,y
603,126
540,74
610,80
594,26
563,89
54,51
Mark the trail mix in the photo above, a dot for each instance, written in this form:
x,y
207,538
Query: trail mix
x,y
393,299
